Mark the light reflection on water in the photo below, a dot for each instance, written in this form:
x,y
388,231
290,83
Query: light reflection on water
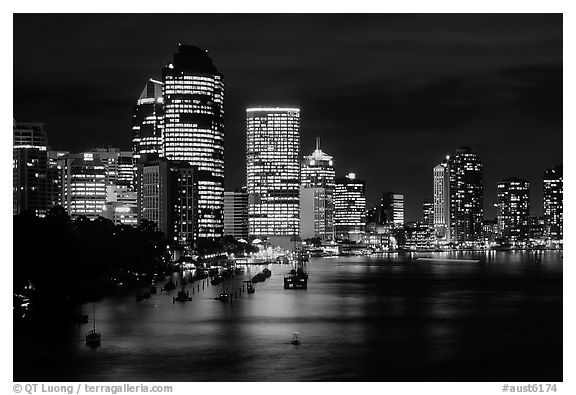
x,y
362,318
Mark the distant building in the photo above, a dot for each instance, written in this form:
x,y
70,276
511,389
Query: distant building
x,y
236,213
148,121
428,213
553,203
30,168
349,207
167,195
513,209
92,179
273,173
55,177
316,195
84,184
392,208
441,220
193,109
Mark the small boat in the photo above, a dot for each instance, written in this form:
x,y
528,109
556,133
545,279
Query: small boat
x,y
93,338
295,339
183,296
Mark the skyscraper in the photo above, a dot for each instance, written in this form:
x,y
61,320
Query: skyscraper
x,y
148,121
30,168
442,226
392,208
236,213
553,203
193,96
273,173
466,196
349,207
514,209
316,195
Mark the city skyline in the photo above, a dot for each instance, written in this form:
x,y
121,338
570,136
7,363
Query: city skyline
x,y
514,98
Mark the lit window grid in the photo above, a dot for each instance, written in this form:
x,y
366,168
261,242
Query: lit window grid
x,y
273,172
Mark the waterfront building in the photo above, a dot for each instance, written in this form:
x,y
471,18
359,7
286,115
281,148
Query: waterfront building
x,y
417,236
513,209
537,226
316,195
193,109
428,213
392,208
236,213
148,121
466,196
349,207
30,168
489,231
553,203
273,173
167,195
442,201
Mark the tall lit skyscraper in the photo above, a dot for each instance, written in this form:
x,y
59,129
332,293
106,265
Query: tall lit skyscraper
x,y
349,207
514,209
273,173
392,208
466,196
442,201
148,121
316,195
30,168
553,203
193,95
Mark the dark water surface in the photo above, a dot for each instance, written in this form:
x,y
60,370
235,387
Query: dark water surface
x,y
377,318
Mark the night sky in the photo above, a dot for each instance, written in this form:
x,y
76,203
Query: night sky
x,y
389,95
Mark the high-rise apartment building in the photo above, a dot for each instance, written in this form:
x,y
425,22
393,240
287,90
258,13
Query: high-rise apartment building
x,y
148,121
193,108
442,201
513,209
553,203
167,196
236,213
273,173
466,196
29,168
349,207
316,195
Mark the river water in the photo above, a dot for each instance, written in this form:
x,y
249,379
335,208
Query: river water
x,y
375,318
